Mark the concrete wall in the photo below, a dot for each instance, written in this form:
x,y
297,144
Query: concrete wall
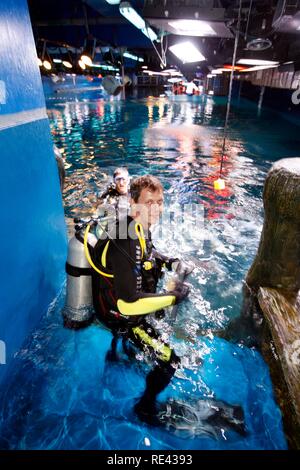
x,y
32,232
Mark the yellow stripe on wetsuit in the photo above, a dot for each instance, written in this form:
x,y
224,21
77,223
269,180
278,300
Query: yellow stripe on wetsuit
x,y
145,305
160,348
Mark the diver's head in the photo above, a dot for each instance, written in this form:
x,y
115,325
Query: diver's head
x,y
121,180
146,200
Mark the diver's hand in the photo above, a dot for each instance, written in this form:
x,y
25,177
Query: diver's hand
x,y
181,291
172,264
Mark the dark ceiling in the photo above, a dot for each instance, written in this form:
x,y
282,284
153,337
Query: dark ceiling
x,y
69,21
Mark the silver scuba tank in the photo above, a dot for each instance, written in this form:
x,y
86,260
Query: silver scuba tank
x,y
78,310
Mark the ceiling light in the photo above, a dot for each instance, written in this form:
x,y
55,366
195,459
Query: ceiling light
x,y
151,72
256,62
258,67
113,2
133,17
216,71
57,61
86,60
238,68
192,28
39,61
149,33
187,52
47,65
88,50
133,57
259,44
144,66
81,64
174,80
67,64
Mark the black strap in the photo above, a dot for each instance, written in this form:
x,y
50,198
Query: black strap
x,y
77,272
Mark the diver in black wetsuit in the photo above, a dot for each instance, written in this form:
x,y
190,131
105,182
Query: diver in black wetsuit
x,y
125,291
116,194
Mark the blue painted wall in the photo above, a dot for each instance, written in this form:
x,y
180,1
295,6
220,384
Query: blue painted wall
x,y
32,234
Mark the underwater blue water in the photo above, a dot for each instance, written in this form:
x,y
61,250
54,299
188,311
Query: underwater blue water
x,y
62,394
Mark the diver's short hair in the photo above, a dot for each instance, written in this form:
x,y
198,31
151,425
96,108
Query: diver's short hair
x,y
147,181
122,170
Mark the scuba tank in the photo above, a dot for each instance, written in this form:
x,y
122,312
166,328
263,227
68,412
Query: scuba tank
x,y
78,311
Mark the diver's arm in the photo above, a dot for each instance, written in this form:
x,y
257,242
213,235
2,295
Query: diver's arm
x,y
166,261
130,301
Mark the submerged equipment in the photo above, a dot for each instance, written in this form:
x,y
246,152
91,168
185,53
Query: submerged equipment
x,y
78,310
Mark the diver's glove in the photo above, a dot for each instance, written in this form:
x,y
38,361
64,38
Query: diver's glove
x,y
181,291
172,264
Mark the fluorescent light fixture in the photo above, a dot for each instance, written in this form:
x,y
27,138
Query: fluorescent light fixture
x,y
258,67
67,64
57,61
147,31
187,52
192,28
81,64
210,75
256,62
133,57
133,17
151,72
174,80
144,66
47,65
216,71
105,67
113,2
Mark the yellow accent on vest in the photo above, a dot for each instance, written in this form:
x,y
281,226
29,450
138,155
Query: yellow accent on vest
x,y
141,236
147,265
145,305
103,257
88,256
161,349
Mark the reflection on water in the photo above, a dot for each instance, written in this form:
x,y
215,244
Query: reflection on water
x,y
68,398
180,142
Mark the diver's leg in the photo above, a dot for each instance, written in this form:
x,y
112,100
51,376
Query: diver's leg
x,y
157,380
147,339
128,349
111,354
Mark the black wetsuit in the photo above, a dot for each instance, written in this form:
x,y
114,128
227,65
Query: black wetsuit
x,y
122,302
112,205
